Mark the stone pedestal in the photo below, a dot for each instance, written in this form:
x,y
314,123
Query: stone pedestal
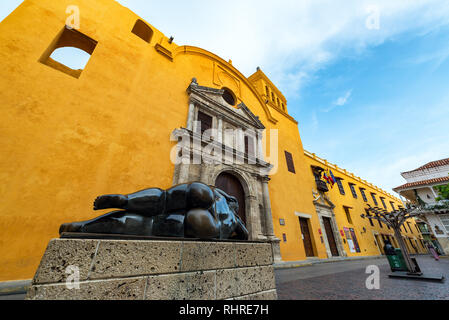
x,y
154,270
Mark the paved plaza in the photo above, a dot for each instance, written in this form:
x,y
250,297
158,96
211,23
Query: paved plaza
x,y
346,281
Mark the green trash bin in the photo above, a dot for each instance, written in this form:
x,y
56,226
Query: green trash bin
x,y
395,258
397,261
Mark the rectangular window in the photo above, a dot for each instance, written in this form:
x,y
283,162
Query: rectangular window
x,y
373,195
249,146
352,187
445,221
368,214
348,214
290,164
205,122
380,223
392,205
284,237
362,192
340,186
383,203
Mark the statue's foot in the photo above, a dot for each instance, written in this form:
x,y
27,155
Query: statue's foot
x,y
71,227
118,201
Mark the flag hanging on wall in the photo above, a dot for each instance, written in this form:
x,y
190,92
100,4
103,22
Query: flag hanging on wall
x,y
332,178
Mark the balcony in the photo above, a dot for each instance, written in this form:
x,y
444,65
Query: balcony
x,y
321,185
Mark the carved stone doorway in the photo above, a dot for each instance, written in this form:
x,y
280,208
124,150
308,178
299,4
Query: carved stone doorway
x,y
231,185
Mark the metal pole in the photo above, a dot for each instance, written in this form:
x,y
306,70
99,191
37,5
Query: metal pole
x,y
408,260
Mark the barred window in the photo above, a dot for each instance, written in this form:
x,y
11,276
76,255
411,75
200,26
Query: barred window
x,y
340,186
352,187
392,205
383,202
373,195
368,214
362,192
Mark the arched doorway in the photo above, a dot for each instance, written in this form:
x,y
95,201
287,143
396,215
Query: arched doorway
x,y
232,186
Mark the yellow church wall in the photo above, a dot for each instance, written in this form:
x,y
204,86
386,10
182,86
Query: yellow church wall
x,y
64,140
291,193
68,140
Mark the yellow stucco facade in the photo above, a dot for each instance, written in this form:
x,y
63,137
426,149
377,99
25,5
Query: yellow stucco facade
x,y
68,136
350,204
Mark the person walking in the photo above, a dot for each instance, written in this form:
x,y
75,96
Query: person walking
x,y
433,252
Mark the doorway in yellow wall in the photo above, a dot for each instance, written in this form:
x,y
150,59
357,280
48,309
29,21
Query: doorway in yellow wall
x,y
379,243
306,237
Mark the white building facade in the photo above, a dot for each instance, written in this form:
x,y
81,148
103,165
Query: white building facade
x,y
421,189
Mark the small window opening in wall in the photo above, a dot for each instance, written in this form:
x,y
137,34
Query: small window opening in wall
x,y
348,214
284,237
143,31
70,52
289,160
229,97
249,146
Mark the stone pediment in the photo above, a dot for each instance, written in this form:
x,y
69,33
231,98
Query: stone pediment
x,y
320,198
213,98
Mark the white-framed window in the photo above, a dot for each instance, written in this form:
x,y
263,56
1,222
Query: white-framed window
x,y
445,221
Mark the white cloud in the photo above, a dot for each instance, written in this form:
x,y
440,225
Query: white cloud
x,y
290,40
340,102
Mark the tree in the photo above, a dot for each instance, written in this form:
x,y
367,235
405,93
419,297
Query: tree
x,y
395,219
443,192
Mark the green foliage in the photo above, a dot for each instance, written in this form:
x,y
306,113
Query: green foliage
x,y
443,191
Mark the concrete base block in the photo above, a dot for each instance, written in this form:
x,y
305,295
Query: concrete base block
x,y
95,269
422,277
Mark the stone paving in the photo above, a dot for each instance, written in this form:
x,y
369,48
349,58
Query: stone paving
x,y
349,284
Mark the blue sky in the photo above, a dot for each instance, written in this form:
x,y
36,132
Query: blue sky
x,y
366,80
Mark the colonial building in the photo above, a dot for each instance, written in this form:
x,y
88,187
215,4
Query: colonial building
x,y
342,230
420,188
146,112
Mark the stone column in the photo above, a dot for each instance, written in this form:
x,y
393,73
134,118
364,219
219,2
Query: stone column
x,y
220,130
191,116
269,230
184,167
253,218
259,145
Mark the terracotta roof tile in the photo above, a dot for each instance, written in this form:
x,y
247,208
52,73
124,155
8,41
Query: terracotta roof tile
x,y
433,164
421,183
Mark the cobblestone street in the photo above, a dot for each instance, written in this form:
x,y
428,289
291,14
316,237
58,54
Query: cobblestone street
x,y
346,281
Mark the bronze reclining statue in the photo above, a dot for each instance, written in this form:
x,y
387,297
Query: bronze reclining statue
x,y
192,210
